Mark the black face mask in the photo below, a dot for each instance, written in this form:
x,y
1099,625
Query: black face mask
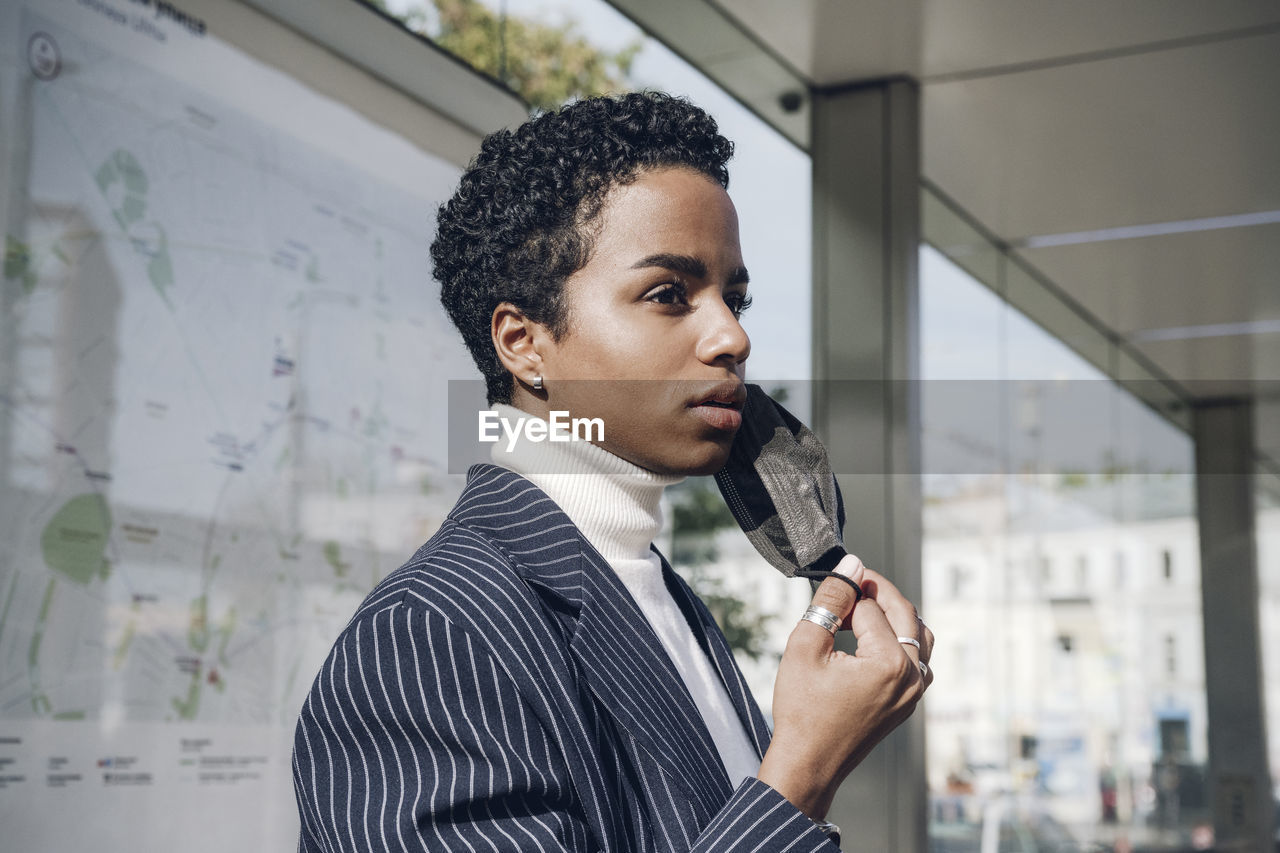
x,y
779,486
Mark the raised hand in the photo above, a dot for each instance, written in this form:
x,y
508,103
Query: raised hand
x,y
830,708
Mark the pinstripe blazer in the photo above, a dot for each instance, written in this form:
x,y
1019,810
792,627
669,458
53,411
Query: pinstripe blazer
x,y
502,691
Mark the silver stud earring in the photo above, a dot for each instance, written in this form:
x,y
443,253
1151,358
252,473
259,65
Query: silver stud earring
x,y
537,383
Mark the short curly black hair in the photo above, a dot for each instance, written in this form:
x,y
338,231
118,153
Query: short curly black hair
x,y
516,229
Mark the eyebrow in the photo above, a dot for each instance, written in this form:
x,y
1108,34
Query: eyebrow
x,y
688,265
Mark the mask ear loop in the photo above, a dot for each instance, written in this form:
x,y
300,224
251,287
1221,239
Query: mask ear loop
x,y
816,575
821,568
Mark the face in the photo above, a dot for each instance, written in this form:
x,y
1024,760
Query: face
x,y
655,312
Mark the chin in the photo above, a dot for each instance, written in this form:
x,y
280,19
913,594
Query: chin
x,y
682,454
708,469
703,462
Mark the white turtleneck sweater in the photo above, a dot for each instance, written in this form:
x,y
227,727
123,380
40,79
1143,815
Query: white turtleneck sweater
x,y
616,506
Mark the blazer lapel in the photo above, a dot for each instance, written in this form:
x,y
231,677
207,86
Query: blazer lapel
x,y
618,654
717,648
633,678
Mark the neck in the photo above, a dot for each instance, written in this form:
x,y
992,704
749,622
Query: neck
x,y
613,502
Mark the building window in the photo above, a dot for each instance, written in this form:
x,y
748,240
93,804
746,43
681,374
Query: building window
x,y
1170,655
1166,558
1066,643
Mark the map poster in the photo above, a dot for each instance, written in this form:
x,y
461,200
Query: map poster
x,y
222,372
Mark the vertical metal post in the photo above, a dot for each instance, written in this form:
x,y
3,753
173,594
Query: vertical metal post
x,y
866,240
1240,782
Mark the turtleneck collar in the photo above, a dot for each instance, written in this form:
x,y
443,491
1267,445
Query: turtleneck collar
x,y
612,501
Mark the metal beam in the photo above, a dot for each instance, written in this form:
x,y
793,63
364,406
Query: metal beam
x,y
1240,781
731,55
866,215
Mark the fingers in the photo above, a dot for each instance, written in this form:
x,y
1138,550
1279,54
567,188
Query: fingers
x,y
836,596
901,613
878,620
904,621
873,630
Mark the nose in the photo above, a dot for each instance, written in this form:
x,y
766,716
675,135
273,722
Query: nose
x,y
724,339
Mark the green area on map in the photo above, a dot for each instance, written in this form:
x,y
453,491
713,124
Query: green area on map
x,y
198,627
122,647
225,630
39,701
129,209
74,542
187,707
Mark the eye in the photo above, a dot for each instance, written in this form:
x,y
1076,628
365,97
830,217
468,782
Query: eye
x,y
671,293
738,303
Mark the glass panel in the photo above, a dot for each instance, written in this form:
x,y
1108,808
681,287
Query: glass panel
x,y
960,322
1029,296
1063,583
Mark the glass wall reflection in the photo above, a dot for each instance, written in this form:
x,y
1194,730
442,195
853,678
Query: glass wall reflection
x,y
1062,577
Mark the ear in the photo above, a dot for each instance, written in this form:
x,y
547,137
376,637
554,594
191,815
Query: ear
x,y
518,341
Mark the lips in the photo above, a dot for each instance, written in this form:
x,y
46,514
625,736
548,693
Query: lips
x,y
721,406
726,395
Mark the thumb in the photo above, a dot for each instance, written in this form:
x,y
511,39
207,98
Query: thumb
x,y
835,595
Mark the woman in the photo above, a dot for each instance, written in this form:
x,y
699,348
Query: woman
x,y
536,677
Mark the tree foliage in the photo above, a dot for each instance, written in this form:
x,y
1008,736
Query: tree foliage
x,y
546,64
698,514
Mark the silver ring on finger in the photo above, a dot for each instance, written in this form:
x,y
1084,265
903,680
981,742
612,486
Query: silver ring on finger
x,y
924,669
823,617
910,641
